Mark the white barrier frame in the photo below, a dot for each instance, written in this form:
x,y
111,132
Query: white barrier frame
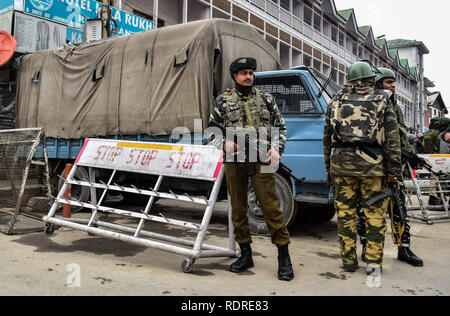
x,y
92,226
420,187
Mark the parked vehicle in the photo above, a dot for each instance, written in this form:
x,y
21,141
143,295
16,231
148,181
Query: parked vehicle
x,y
122,89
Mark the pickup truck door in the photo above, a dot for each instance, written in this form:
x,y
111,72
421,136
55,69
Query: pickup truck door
x,y
304,117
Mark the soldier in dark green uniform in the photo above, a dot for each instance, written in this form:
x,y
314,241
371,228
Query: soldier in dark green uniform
x,y
431,145
431,140
242,109
362,153
400,229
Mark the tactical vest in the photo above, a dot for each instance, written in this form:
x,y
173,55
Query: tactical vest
x,y
251,111
358,122
431,142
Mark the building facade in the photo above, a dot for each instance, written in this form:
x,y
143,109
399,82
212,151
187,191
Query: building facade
x,y
304,32
312,33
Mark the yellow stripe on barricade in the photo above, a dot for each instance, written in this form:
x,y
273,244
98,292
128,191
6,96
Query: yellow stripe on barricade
x,y
439,156
151,146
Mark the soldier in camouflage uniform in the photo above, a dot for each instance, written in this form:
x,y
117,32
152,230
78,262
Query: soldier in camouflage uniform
x,y
362,153
431,140
400,229
245,109
431,145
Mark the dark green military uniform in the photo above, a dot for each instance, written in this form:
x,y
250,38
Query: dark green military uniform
x,y
361,147
431,141
240,111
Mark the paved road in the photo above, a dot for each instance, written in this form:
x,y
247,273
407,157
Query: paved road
x,y
74,263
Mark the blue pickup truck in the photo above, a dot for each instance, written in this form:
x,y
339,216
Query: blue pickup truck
x,y
302,95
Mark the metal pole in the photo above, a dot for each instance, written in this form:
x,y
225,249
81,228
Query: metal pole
x,y
149,206
208,213
68,193
105,18
54,207
155,13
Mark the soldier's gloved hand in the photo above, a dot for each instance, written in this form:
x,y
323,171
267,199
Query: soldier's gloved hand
x,y
230,146
274,157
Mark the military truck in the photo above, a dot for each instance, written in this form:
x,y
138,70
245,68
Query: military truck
x,y
143,86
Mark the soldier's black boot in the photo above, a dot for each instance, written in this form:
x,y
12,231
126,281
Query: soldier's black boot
x,y
245,261
406,255
350,267
285,271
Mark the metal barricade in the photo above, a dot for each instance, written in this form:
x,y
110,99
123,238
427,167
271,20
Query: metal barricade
x,y
24,180
423,183
162,160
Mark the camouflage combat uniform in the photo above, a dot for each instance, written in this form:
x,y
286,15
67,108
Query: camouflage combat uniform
x,y
400,239
361,147
431,142
239,111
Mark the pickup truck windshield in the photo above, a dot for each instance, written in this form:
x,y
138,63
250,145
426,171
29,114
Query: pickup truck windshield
x,y
290,94
331,89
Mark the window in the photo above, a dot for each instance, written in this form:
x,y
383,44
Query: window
x,y
342,79
334,34
285,4
317,65
289,93
307,15
326,28
341,39
317,22
307,60
297,9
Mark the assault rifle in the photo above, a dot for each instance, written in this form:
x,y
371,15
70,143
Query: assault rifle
x,y
415,160
252,146
393,192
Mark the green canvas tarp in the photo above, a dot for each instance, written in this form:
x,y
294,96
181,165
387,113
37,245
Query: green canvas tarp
x,y
149,82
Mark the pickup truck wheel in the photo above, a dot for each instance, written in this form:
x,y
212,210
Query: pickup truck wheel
x,y
79,193
256,219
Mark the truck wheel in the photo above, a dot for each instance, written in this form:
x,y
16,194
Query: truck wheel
x,y
79,193
255,216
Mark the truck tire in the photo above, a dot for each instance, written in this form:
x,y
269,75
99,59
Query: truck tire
x,y
79,193
255,216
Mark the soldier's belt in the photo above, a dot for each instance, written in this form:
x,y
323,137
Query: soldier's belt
x,y
372,150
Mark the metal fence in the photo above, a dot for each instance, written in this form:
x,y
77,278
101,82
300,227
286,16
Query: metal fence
x,y
24,181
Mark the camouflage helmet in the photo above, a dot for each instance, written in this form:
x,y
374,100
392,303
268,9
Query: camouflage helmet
x,y
385,73
360,70
443,124
434,123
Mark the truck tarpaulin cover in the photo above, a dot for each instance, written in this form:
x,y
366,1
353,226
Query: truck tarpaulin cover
x,y
148,82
